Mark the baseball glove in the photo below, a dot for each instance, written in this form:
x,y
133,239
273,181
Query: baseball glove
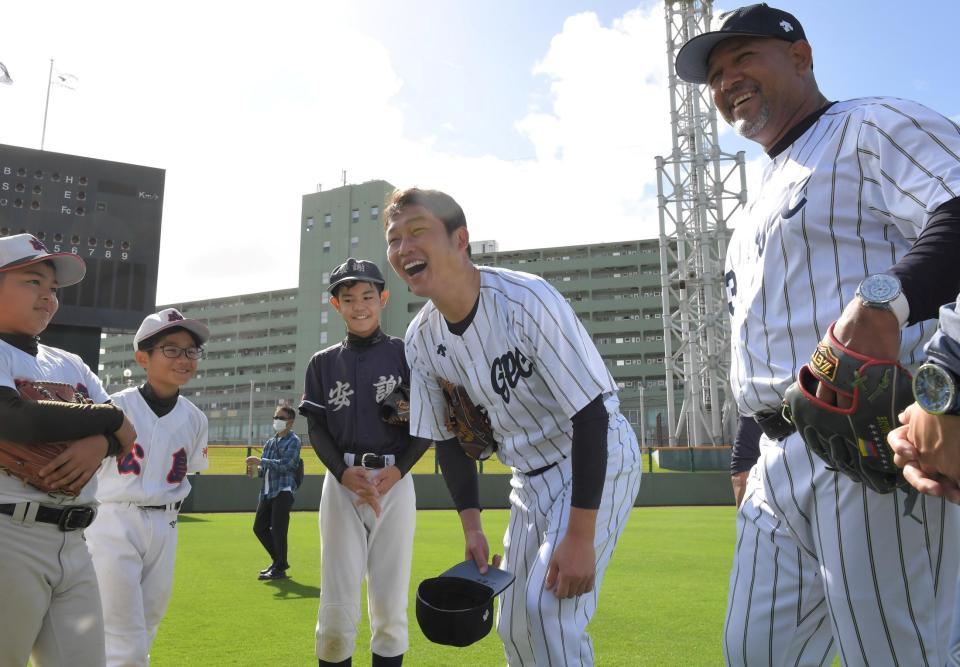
x,y
853,440
469,422
25,461
395,406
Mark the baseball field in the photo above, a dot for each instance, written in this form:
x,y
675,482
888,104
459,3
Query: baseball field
x,y
662,602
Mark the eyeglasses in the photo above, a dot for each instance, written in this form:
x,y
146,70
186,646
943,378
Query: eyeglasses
x,y
174,352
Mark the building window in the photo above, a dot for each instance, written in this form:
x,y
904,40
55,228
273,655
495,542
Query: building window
x,y
325,277
355,214
309,224
327,219
374,212
325,297
323,337
354,240
324,316
326,246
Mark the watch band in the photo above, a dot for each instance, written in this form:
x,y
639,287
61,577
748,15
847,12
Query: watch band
x,y
900,308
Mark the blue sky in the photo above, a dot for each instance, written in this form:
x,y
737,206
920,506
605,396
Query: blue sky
x,y
542,118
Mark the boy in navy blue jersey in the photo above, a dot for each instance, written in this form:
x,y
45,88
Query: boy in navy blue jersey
x,y
368,506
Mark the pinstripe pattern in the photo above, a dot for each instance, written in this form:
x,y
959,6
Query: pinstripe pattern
x,y
887,580
517,312
528,360
877,167
817,554
535,627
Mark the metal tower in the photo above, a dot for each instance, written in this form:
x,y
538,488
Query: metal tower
x,y
699,188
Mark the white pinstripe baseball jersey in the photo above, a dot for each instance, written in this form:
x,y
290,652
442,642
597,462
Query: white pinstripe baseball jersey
x,y
823,564
167,448
531,375
845,200
50,365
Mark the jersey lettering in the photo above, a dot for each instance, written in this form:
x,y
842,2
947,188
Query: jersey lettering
x,y
340,395
507,370
130,463
384,385
178,469
730,278
788,211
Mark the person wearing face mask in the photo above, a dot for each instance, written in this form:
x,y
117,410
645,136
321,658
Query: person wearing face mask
x,y
276,468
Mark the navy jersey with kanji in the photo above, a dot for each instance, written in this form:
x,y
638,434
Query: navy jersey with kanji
x,y
346,383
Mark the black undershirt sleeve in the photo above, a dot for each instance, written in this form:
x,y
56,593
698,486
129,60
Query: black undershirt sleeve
x,y
929,272
589,454
411,454
460,474
746,446
28,422
323,445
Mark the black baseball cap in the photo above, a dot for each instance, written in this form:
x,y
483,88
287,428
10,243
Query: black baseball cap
x,y
758,20
456,608
355,270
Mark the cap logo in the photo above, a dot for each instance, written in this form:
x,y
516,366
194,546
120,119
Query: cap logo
x,y
37,245
787,27
174,317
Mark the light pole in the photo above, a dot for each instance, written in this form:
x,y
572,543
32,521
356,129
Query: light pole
x,y
643,422
127,374
250,421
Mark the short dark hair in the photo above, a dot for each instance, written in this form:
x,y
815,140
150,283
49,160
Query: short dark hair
x,y
147,344
439,203
287,410
351,283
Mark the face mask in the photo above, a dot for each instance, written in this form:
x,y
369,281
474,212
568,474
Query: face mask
x,y
279,425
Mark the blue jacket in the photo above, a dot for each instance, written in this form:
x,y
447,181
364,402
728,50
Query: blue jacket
x,y
278,463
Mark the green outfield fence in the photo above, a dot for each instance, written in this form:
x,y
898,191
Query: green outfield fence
x,y
672,476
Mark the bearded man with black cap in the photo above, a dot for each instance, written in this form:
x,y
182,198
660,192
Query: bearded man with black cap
x,y
851,240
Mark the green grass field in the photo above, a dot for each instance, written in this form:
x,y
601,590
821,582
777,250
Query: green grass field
x,y
229,460
662,602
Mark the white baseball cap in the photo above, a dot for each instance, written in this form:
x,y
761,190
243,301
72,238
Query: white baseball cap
x,y
167,319
22,250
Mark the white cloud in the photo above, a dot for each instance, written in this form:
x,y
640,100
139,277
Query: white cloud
x,y
248,109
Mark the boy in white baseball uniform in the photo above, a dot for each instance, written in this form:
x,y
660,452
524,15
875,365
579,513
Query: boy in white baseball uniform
x,y
515,345
134,542
51,611
368,508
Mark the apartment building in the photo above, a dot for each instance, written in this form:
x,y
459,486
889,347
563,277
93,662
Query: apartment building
x,y
261,343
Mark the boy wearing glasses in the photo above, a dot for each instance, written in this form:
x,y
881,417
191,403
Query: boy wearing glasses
x,y
134,540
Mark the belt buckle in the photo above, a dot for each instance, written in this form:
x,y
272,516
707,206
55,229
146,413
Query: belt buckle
x,y
75,518
376,461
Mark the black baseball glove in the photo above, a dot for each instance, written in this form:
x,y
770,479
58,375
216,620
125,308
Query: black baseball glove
x,y
854,440
395,406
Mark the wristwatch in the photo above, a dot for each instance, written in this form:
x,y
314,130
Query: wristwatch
x,y
935,389
881,290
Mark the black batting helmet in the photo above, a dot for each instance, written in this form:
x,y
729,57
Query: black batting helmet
x,y
456,608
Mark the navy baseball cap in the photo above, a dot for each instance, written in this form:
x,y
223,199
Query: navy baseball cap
x,y
355,270
758,20
456,608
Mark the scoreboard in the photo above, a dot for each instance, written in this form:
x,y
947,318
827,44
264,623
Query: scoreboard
x,y
109,213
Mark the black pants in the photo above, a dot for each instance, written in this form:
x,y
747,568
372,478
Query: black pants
x,y
270,526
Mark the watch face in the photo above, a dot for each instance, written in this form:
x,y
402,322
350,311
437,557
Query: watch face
x,y
879,288
934,389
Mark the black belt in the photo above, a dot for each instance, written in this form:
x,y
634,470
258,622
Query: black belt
x,y
65,518
175,506
774,425
540,471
